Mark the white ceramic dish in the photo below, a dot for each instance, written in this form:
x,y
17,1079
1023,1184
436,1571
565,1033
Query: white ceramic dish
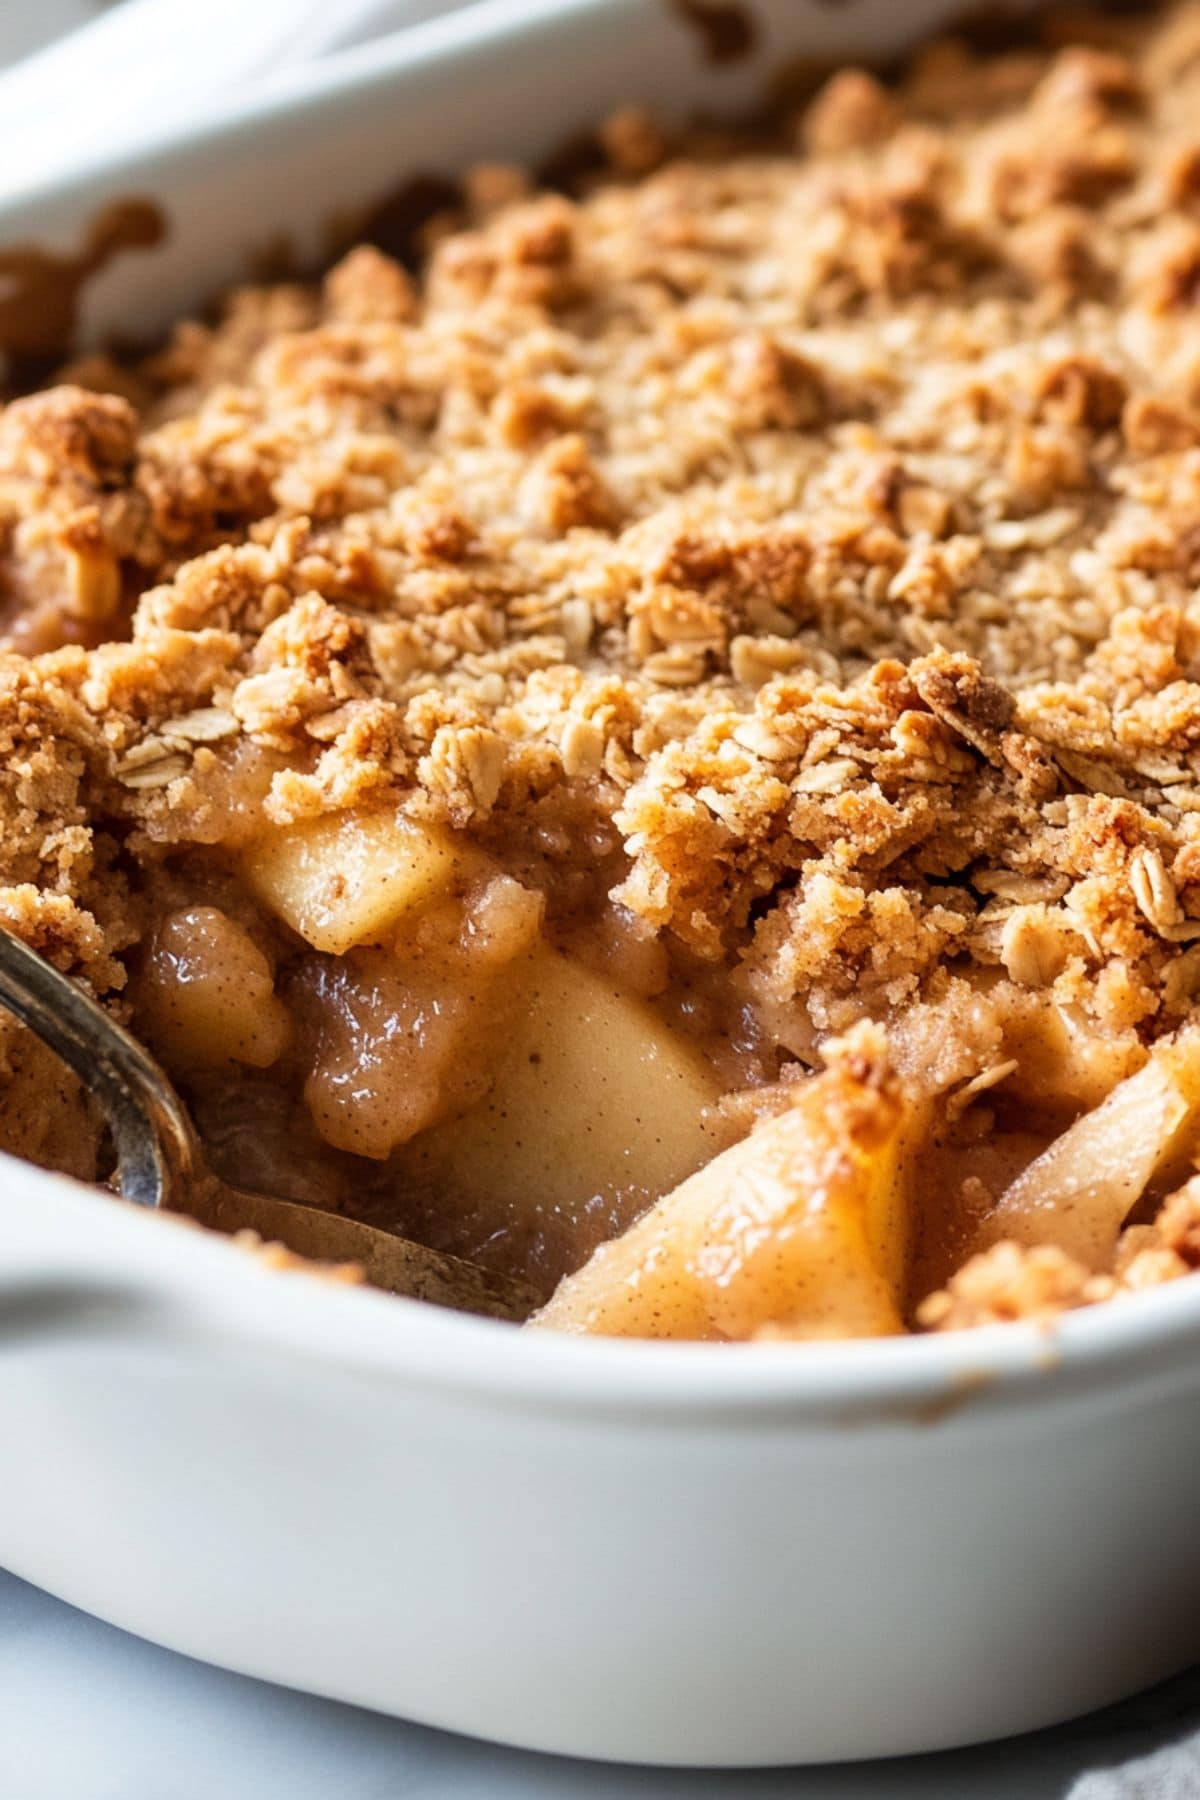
x,y
650,1552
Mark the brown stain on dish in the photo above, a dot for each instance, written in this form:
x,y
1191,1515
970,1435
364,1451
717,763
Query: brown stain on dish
x,y
958,1396
395,223
984,26
573,162
40,290
793,81
726,29
274,259
963,1390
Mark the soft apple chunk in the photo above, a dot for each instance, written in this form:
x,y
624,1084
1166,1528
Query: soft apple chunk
x,y
1078,1194
1065,1062
402,1037
350,878
206,994
798,1231
595,1106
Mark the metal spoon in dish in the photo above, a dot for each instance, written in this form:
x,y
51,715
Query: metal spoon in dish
x,y
159,1162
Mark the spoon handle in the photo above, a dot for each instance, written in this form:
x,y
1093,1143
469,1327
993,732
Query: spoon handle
x,y
155,1146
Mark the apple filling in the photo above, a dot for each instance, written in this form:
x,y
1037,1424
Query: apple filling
x,y
426,1053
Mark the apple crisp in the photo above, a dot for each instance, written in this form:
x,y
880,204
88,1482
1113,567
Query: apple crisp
x,y
659,747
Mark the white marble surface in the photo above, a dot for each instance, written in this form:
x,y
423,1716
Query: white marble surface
x,y
89,1713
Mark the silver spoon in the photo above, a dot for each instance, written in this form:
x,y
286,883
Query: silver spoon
x,y
159,1163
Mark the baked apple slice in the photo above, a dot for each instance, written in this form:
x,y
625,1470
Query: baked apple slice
x,y
595,1103
1078,1194
350,878
799,1231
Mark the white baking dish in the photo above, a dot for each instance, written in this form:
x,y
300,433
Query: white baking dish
x,y
665,1553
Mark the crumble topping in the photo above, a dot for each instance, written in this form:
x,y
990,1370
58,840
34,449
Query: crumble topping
x,y
791,542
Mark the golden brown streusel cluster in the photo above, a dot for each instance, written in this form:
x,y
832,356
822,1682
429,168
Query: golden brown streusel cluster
x,y
799,538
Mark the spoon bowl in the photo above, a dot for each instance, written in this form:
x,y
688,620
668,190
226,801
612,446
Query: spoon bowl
x,y
160,1163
